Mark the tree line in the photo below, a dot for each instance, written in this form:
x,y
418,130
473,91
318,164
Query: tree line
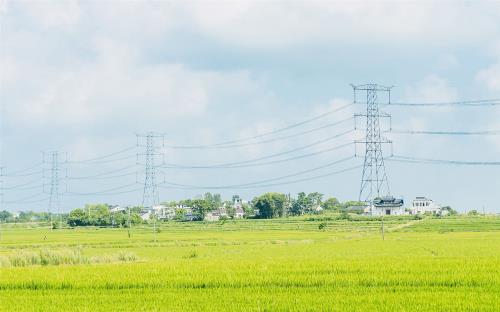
x,y
266,206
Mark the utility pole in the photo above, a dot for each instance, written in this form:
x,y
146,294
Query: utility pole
x,y
128,228
383,234
374,182
150,197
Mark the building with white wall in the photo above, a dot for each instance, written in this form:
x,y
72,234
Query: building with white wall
x,y
387,206
422,205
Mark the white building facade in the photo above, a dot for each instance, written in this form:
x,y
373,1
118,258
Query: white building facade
x,y
422,205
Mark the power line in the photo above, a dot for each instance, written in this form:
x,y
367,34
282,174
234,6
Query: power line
x,y
220,166
407,159
485,132
98,162
17,172
471,103
318,142
21,185
103,192
100,175
295,135
104,156
266,180
177,186
23,175
23,199
231,142
108,177
106,194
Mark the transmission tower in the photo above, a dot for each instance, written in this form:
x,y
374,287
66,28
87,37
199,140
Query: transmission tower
x,y
54,185
150,195
374,182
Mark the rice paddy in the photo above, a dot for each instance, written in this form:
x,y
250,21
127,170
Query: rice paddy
x,y
450,264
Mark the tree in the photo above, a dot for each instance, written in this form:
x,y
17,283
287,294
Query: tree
x,y
248,210
209,198
5,216
450,211
180,214
332,204
201,207
473,213
313,200
301,204
216,198
270,205
78,217
231,211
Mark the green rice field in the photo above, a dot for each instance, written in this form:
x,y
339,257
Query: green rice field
x,y
295,264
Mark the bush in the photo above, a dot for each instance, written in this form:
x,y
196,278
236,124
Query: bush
x,y
322,226
60,257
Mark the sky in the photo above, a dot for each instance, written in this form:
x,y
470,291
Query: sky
x,y
84,77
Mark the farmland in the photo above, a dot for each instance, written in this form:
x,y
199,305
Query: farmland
x,y
295,264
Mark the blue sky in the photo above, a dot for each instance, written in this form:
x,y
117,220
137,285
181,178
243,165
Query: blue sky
x,y
83,77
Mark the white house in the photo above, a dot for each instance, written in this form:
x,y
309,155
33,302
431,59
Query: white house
x,y
212,216
164,213
387,206
239,213
216,214
145,216
116,208
421,205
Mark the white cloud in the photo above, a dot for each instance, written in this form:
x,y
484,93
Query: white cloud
x,y
4,6
432,88
117,86
62,14
270,24
490,76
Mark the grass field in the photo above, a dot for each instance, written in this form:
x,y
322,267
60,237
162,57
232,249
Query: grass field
x,y
450,264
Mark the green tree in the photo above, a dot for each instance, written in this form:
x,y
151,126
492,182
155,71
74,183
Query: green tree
x,y
78,217
332,204
180,214
201,207
301,204
231,211
270,205
248,210
217,200
5,216
314,200
450,210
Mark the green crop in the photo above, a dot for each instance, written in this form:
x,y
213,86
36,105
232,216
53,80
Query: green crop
x,y
296,264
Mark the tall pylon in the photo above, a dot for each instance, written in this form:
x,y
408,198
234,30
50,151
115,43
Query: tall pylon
x,y
150,195
374,182
54,186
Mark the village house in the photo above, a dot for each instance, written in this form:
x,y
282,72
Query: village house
x,y
387,206
116,208
216,214
422,205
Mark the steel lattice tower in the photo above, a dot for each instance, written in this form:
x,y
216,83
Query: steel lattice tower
x,y
374,182
150,195
54,186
